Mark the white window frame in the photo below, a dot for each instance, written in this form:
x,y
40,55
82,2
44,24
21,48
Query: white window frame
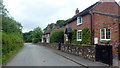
x,y
66,37
105,35
79,20
77,35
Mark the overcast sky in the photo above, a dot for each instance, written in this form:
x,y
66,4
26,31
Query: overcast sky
x,y
34,13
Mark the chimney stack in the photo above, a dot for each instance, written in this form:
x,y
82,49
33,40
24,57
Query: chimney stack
x,y
77,11
53,26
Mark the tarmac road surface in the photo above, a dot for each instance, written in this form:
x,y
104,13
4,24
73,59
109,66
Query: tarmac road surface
x,y
34,55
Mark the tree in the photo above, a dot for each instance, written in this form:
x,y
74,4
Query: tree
x,y
12,39
28,36
9,25
60,23
33,36
37,34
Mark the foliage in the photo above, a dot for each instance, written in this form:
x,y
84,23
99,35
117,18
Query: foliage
x,y
104,42
10,42
57,36
74,35
74,38
37,33
6,57
60,23
119,48
76,42
35,40
27,36
9,25
48,26
12,38
86,35
33,36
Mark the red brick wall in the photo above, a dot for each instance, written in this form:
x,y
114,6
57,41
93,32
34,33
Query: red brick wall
x,y
107,7
85,23
103,21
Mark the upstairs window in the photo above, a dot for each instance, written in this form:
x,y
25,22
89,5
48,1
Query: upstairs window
x,y
79,35
105,34
79,20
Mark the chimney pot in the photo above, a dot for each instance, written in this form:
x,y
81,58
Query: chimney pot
x,y
77,11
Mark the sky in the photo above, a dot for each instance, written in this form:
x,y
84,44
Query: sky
x,y
40,13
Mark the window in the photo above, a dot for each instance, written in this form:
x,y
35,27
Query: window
x,y
79,20
66,37
66,25
79,35
105,34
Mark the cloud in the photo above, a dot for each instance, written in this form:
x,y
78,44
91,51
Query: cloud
x,y
34,13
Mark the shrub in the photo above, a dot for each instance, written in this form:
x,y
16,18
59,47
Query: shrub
x,y
57,36
119,48
10,42
35,40
86,35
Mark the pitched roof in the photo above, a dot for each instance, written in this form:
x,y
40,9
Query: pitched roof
x,y
48,31
107,14
84,12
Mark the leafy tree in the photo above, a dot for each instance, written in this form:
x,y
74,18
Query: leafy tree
x,y
57,36
12,38
28,36
37,33
33,36
60,23
35,40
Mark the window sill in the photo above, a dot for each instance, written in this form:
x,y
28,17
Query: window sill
x,y
66,39
79,39
79,24
105,39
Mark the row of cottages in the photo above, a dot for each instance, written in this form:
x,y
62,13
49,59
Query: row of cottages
x,y
102,18
48,33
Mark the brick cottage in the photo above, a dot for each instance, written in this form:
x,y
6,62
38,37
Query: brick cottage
x,y
102,18
49,32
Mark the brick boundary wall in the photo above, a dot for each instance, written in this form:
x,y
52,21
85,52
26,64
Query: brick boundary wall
x,y
85,51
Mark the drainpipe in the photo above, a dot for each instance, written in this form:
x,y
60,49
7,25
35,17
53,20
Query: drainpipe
x,y
91,23
119,31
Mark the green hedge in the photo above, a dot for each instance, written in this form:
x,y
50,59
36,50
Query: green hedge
x,y
57,36
35,40
10,44
74,37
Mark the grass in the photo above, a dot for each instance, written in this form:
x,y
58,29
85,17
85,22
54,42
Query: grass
x,y
9,55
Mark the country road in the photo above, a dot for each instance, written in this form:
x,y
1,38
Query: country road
x,y
34,55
